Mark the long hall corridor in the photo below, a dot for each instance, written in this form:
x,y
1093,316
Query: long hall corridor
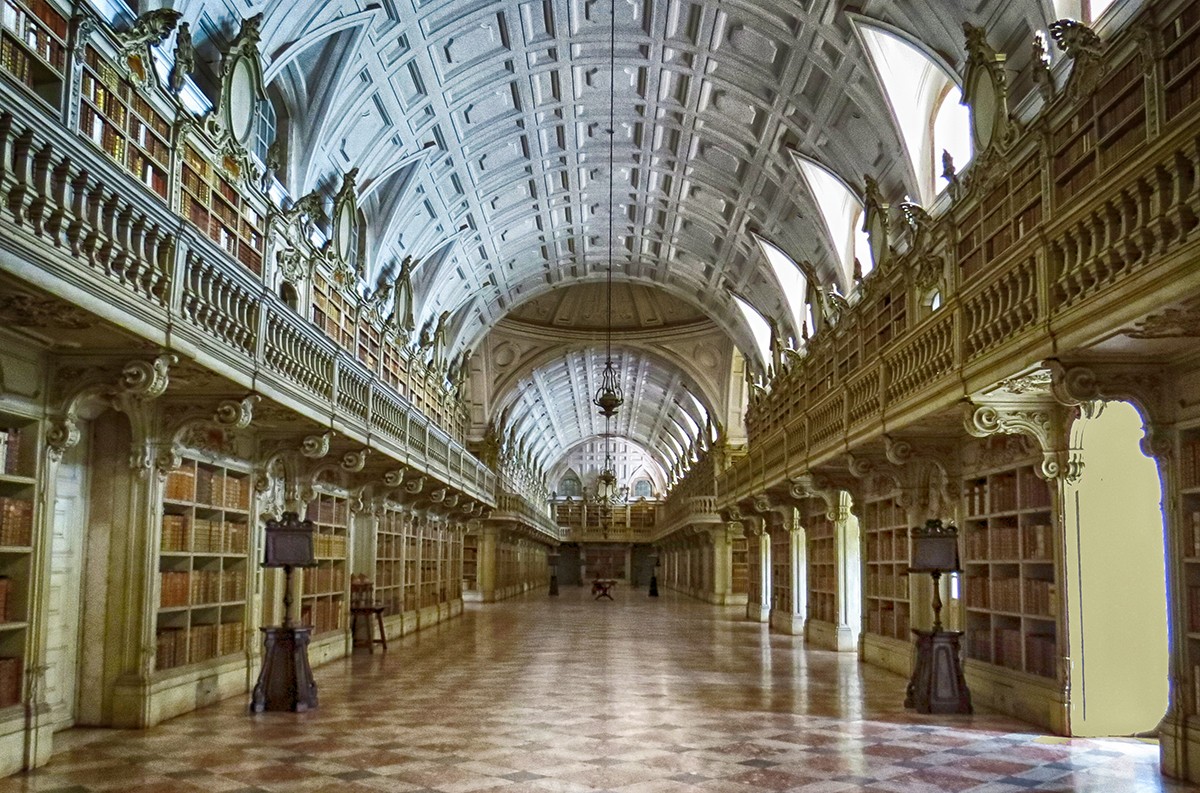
x,y
568,694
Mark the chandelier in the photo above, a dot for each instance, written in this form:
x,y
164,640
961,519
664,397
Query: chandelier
x,y
608,396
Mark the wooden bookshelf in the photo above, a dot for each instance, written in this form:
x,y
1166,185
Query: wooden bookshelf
x,y
1010,585
389,560
212,203
431,560
1181,61
470,561
887,318
33,47
1104,130
781,572
394,366
323,602
822,563
412,561
1189,500
739,578
334,313
203,564
1009,212
123,124
19,447
885,569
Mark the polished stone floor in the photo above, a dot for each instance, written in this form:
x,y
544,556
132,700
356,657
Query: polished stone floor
x,y
567,694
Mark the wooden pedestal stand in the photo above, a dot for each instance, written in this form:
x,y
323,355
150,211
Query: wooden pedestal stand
x,y
937,684
286,679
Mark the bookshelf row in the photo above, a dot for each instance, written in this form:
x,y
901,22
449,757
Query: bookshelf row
x,y
181,646
822,565
201,587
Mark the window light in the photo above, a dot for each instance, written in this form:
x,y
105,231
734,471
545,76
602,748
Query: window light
x,y
952,129
759,328
843,215
791,278
914,84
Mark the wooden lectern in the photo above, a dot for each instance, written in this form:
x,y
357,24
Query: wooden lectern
x,y
286,679
937,684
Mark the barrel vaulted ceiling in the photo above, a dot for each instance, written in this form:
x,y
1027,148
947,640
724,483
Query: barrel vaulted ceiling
x,y
479,128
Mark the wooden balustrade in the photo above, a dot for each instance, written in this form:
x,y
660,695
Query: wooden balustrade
x,y
1017,280
97,233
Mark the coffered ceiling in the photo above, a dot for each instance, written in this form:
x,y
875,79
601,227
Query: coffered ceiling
x,y
480,131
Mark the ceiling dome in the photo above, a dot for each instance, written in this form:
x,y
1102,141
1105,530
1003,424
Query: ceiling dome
x,y
582,306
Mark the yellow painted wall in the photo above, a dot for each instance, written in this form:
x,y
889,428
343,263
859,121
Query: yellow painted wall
x,y
1116,581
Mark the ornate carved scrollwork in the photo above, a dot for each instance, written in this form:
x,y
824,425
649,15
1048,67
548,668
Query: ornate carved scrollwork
x,y
1148,389
315,447
1044,420
139,383
354,461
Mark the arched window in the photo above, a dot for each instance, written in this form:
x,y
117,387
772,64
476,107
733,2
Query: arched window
x,y
842,211
1086,11
759,328
289,295
924,97
643,488
794,283
569,486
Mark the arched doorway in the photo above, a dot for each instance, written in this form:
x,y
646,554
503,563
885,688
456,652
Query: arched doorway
x,y
1116,578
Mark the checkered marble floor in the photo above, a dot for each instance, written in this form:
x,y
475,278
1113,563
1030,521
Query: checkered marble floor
x,y
635,695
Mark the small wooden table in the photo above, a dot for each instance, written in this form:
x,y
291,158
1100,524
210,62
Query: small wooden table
x,y
602,588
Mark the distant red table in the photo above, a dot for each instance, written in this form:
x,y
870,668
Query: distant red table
x,y
602,588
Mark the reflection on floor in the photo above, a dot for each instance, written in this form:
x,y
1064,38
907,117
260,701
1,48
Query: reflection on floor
x,y
569,694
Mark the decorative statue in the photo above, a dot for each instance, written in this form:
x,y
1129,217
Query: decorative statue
x,y
251,32
1041,69
401,319
152,27
185,58
347,188
948,171
438,342
1084,48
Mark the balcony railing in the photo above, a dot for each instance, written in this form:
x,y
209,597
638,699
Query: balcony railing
x,y
79,227
1040,285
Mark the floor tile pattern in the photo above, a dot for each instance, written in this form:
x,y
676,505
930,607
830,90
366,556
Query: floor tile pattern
x,y
568,695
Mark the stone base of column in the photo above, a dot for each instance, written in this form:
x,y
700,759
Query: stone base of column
x,y
1179,749
784,622
757,612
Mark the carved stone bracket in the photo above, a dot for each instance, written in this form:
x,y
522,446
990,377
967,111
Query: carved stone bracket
x,y
205,432
139,383
1045,420
1149,389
